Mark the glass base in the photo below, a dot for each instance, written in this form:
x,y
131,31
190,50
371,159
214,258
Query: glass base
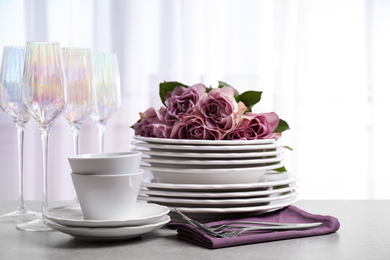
x,y
19,216
35,225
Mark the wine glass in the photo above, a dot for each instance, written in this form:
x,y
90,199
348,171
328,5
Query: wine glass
x,y
107,90
11,76
44,99
78,74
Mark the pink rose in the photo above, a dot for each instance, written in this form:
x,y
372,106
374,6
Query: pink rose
x,y
152,124
220,110
255,126
193,127
182,101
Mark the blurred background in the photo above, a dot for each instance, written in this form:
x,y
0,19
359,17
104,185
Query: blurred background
x,y
323,66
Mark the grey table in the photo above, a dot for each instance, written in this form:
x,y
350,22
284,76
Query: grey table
x,y
364,234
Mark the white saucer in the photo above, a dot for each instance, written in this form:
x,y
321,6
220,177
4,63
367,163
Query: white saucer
x,y
143,213
108,234
202,142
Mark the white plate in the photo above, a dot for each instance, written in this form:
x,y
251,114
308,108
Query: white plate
x,y
217,187
220,203
208,148
216,195
206,155
202,142
214,214
143,213
185,163
273,205
210,175
108,234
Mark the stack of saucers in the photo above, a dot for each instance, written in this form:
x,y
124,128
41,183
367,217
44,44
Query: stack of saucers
x,y
145,218
107,185
215,179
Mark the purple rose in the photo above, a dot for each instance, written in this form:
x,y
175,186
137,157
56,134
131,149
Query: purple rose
x,y
220,110
182,101
152,124
255,126
193,127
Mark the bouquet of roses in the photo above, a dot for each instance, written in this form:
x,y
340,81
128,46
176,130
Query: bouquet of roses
x,y
198,112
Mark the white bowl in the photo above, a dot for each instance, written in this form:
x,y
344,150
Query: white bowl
x,y
107,197
106,163
211,175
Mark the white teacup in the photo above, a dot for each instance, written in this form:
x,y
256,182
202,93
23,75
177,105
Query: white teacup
x,y
105,163
107,197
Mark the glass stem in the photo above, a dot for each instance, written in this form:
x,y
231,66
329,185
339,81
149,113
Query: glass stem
x,y
102,128
75,133
20,131
45,148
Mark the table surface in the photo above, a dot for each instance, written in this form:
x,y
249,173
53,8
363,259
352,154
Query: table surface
x,y
364,234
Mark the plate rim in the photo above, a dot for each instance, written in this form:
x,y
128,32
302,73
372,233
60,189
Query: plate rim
x,y
219,195
105,223
232,202
263,184
201,142
234,209
206,147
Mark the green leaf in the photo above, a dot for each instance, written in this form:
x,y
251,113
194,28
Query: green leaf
x,y
168,86
222,84
250,98
208,89
281,169
283,126
288,147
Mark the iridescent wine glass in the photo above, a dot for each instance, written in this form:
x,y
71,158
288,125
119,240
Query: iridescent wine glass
x,y
44,99
11,77
78,74
107,90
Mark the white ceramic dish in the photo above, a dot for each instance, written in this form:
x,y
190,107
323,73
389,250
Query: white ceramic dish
x,y
205,155
273,205
208,148
218,195
202,142
105,163
220,203
214,214
202,163
210,176
107,197
108,234
71,215
218,187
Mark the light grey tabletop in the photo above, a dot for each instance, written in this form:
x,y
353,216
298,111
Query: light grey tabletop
x,y
364,234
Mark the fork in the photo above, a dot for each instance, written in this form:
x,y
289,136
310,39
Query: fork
x,y
222,230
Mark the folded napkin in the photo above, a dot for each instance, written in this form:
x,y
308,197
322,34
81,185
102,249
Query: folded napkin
x,y
290,214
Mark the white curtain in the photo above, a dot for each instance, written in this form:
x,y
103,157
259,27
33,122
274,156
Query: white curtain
x,y
322,65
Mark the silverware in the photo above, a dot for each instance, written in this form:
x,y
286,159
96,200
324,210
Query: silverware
x,y
223,230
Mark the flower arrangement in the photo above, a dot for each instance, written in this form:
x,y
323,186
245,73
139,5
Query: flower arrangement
x,y
198,112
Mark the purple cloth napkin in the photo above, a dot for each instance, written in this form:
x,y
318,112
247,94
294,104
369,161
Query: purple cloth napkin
x,y
290,214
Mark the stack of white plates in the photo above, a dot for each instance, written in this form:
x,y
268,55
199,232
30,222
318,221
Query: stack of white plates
x,y
145,218
213,179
